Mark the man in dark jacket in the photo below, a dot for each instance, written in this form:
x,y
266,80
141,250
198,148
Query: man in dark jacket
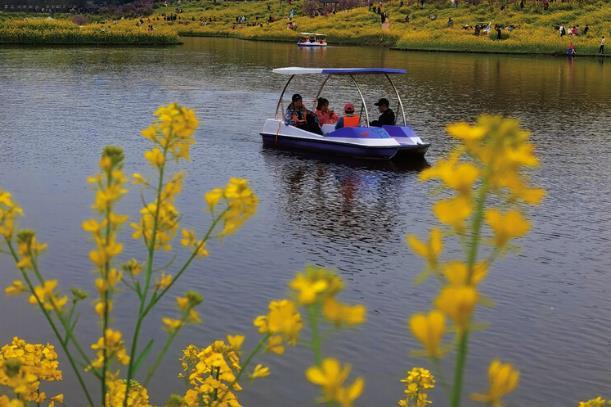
x,y
387,116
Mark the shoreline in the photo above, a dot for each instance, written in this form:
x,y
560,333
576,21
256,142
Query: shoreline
x,y
220,34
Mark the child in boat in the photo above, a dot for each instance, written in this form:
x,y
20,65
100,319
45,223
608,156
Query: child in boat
x,y
349,119
324,114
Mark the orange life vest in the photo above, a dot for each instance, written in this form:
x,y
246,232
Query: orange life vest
x,y
351,121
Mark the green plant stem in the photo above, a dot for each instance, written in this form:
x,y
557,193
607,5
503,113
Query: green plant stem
x,y
313,314
463,335
439,373
52,324
105,299
186,265
147,284
170,339
69,331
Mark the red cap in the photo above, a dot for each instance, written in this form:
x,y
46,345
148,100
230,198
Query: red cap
x,y
348,106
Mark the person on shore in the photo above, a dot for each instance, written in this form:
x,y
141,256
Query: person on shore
x,y
387,116
521,4
348,119
297,115
601,49
562,31
586,29
324,114
570,51
450,22
498,29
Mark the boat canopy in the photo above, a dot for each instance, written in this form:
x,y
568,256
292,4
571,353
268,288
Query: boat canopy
x,y
338,71
317,34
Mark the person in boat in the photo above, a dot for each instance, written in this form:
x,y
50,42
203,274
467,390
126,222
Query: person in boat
x,y
324,114
297,115
348,119
387,116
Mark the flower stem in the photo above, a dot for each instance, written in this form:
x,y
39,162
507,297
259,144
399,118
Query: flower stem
x,y
463,341
313,313
52,324
149,271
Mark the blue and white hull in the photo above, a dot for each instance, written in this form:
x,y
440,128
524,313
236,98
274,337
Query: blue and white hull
x,y
354,142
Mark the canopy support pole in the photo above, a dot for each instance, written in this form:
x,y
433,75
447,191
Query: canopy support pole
x,y
398,97
321,87
282,95
362,98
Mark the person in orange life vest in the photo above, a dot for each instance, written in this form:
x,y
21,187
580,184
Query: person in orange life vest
x,y
324,114
349,119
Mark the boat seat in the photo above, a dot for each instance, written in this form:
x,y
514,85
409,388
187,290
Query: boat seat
x,y
327,128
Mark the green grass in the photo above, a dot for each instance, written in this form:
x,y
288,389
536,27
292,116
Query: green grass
x,y
535,31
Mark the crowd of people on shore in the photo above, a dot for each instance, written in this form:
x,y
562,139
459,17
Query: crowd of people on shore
x,y
298,115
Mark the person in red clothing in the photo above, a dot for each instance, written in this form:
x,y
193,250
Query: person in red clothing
x,y
349,119
324,114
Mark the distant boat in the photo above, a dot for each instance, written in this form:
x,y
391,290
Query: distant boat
x,y
360,141
312,40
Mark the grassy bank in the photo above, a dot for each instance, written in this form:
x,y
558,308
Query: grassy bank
x,y
42,31
411,27
427,28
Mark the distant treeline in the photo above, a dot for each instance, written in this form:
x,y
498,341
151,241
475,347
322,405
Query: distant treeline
x,y
123,8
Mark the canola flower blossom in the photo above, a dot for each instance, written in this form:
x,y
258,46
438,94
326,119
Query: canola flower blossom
x,y
488,165
211,373
23,368
331,376
597,401
418,382
503,378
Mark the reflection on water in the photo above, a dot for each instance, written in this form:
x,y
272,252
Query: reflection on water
x,y
341,199
552,317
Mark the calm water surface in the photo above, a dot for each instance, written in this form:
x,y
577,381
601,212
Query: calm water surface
x,y
552,317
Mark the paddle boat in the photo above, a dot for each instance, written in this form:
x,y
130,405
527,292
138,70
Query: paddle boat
x,y
395,142
312,40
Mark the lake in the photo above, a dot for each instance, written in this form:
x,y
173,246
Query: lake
x,y
552,313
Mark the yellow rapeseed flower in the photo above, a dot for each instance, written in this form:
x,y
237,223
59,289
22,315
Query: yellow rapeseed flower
x,y
155,157
16,287
171,325
343,314
283,324
115,348
503,378
430,250
259,372
9,211
595,402
331,376
213,197
454,212
315,283
47,296
429,329
458,302
164,281
506,226
456,273
417,382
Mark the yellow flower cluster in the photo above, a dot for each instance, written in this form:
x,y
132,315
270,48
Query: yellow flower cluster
x,y
282,323
489,161
109,185
138,395
417,382
173,132
112,343
28,248
211,373
45,293
241,203
9,211
318,285
23,366
503,378
595,402
164,230
331,376
188,315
